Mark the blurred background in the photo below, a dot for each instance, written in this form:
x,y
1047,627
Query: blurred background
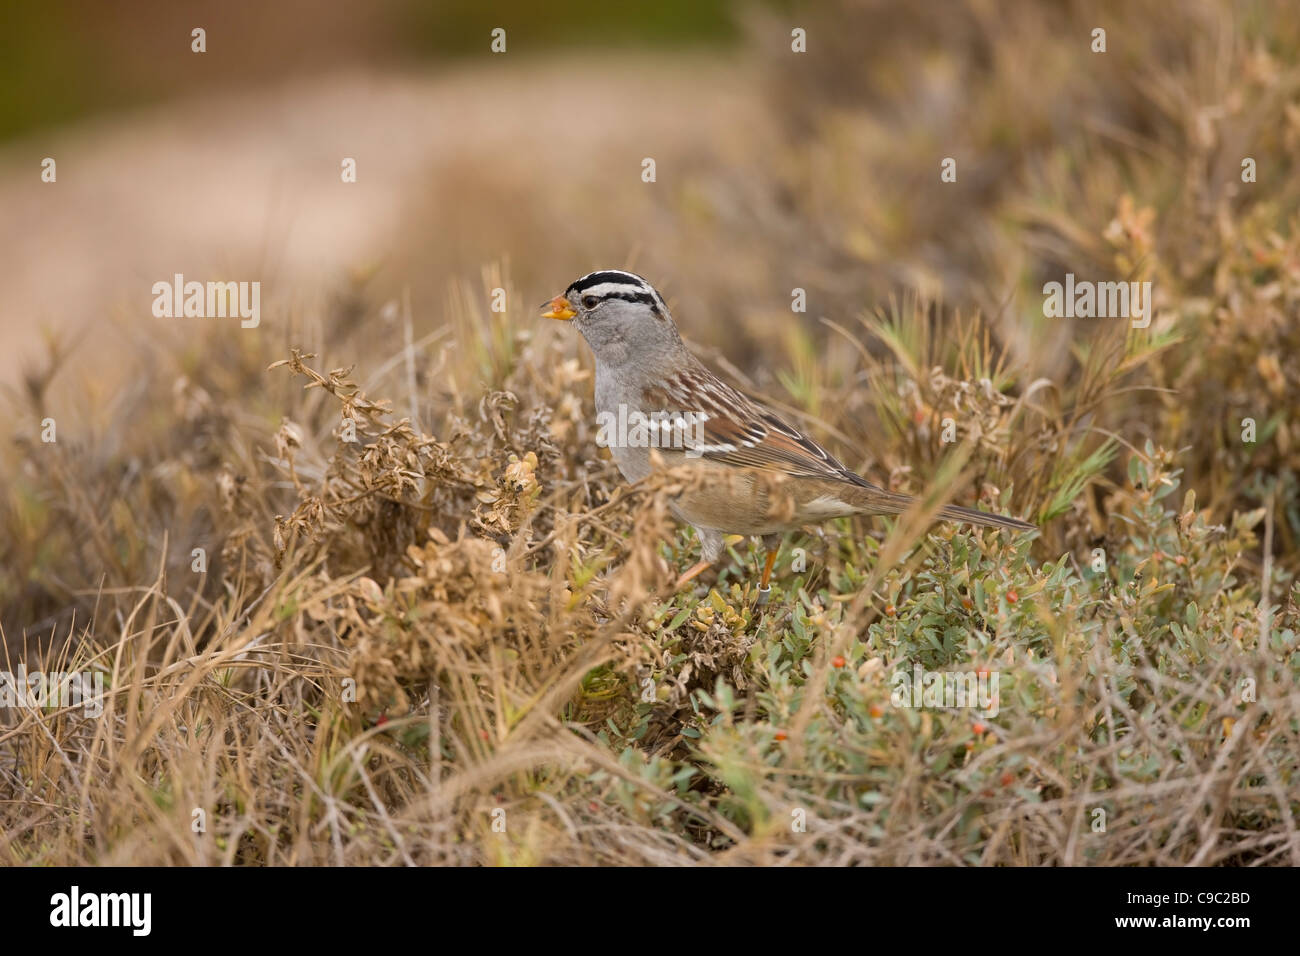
x,y
774,169
229,160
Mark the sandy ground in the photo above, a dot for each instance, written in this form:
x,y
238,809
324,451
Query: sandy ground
x,y
453,169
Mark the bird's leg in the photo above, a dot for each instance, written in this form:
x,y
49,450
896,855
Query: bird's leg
x,y
711,543
692,571
764,588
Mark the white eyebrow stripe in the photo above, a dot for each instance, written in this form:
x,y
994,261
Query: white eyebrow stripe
x,y
605,288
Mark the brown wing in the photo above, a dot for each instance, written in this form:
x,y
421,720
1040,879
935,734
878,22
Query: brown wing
x,y
722,425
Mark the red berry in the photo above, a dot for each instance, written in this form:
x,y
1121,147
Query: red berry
x,y
383,719
978,727
1008,778
780,735
1012,597
890,610
876,711
838,661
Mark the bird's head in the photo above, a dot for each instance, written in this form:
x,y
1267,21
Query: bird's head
x,y
620,315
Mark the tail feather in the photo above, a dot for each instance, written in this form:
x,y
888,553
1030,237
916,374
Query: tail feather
x,y
878,501
985,518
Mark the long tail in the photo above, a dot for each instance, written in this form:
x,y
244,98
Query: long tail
x,y
875,500
985,518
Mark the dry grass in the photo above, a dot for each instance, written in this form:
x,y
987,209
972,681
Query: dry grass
x,y
455,640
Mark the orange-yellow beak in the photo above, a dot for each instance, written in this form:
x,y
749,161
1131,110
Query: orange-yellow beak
x,y
558,308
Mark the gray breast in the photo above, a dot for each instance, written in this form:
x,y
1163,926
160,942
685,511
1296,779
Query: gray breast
x,y
617,404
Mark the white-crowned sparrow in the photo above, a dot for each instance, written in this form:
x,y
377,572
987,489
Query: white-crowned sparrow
x,y
758,474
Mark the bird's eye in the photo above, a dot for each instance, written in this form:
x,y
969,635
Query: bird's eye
x,y
589,301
